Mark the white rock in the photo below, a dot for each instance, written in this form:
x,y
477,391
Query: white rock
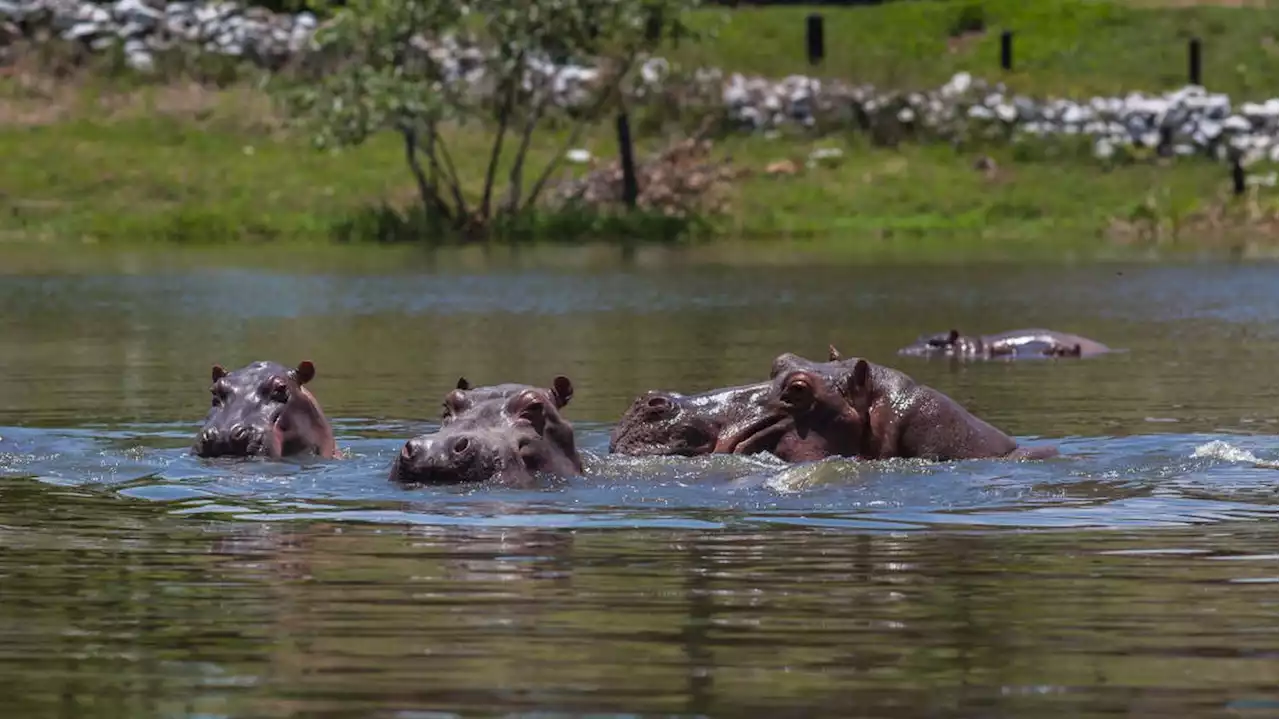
x,y
958,84
1253,109
82,30
1235,123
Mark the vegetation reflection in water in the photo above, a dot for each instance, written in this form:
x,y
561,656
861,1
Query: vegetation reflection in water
x,y
1134,574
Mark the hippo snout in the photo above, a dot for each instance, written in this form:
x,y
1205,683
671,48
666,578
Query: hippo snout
x,y
439,460
238,440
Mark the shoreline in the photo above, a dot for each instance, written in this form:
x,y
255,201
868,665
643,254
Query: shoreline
x,y
106,156
27,258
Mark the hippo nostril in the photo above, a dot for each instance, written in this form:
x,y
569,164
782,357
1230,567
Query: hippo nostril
x,y
461,445
661,404
209,436
408,452
239,434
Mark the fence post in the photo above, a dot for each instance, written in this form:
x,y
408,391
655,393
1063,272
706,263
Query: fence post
x,y
814,40
630,186
653,25
1006,50
1193,61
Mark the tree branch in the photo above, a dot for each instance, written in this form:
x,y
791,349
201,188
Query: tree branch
x,y
427,190
576,133
516,178
442,163
504,117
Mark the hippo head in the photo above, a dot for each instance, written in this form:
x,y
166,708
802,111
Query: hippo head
x,y
952,344
726,421
828,403
506,435
261,410
464,397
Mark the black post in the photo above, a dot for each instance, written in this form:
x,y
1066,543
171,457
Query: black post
x,y
814,41
1237,176
630,187
1165,146
653,25
1193,60
1006,50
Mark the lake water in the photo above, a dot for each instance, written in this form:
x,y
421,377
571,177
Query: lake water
x,y
1136,575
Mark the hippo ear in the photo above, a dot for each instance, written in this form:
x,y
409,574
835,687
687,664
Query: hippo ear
x,y
833,354
218,372
562,390
463,384
858,387
952,336
305,372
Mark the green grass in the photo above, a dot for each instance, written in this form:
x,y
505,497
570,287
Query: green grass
x,y
1061,47
167,179
103,159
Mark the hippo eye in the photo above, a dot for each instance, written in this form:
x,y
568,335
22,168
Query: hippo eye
x,y
534,414
279,391
447,413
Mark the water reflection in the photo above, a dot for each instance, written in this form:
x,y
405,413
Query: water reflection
x,y
332,619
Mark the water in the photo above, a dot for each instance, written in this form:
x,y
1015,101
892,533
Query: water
x,y
1136,574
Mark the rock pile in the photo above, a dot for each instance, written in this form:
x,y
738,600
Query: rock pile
x,y
144,28
1187,121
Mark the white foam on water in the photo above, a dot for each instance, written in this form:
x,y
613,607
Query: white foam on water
x,y
1218,449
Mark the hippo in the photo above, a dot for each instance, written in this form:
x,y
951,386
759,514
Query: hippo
x,y
264,409
504,433
1014,344
853,408
670,423
464,396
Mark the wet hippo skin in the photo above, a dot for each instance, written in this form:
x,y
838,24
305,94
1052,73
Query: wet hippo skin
x,y
507,434
853,408
264,409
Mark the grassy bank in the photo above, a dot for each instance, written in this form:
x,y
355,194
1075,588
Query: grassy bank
x,y
1069,48
174,178
95,157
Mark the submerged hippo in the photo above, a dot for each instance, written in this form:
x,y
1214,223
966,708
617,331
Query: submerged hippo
x,y
853,408
464,396
670,423
264,409
503,433
1013,344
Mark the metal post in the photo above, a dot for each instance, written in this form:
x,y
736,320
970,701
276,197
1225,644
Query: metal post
x,y
1006,50
814,40
653,25
1193,61
630,186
